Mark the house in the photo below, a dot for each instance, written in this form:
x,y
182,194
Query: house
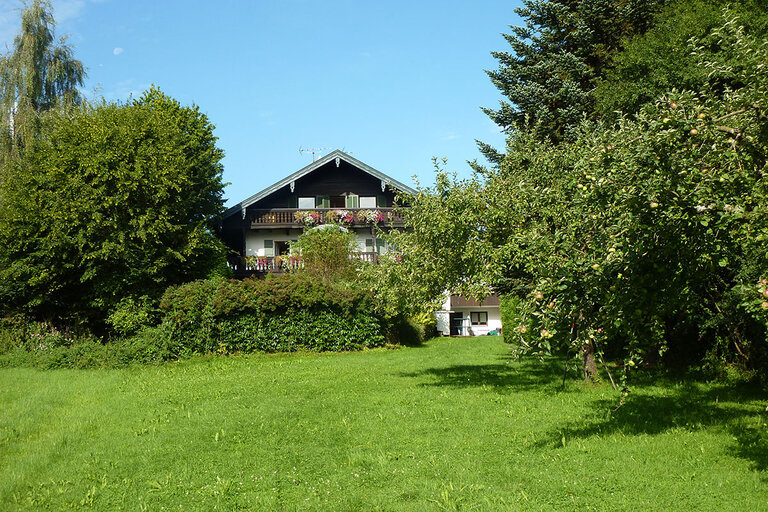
x,y
340,189
335,188
460,316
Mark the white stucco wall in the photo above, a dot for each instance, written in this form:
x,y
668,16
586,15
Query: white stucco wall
x,y
254,240
494,320
443,317
443,322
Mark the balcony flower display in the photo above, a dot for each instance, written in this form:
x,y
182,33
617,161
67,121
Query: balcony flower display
x,y
370,216
308,217
343,217
258,263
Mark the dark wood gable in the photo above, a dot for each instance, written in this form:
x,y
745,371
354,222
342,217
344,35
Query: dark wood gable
x,y
335,181
329,181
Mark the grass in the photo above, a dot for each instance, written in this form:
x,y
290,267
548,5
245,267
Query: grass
x,y
451,425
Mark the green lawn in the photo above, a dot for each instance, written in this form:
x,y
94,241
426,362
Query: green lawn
x,y
452,425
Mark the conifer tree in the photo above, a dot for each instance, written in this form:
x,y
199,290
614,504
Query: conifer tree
x,y
548,76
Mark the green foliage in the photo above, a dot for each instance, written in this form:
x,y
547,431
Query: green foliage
x,y
12,333
409,330
548,77
41,345
36,75
659,60
644,240
132,314
511,316
645,236
283,312
114,201
327,252
440,248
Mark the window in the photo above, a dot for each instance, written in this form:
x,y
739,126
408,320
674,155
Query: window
x,y
368,202
478,318
306,203
338,202
381,246
353,201
323,202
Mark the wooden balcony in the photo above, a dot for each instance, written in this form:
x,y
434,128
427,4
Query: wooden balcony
x,y
281,218
262,265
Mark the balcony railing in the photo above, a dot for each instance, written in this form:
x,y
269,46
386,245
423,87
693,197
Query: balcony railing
x,y
254,265
352,217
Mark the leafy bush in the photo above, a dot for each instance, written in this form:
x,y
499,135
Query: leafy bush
x,y
11,333
131,314
511,319
280,313
409,330
326,252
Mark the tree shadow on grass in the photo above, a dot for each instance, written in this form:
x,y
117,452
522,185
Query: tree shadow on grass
x,y
509,375
740,411
658,403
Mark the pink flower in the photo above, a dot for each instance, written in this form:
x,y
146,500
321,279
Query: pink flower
x,y
523,328
539,295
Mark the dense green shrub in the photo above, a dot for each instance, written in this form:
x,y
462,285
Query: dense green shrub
x,y
511,319
39,349
280,313
131,314
11,333
409,330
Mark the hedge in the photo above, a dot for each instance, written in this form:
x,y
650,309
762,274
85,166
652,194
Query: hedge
x,y
281,313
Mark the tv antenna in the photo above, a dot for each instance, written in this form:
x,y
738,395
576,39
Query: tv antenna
x,y
313,151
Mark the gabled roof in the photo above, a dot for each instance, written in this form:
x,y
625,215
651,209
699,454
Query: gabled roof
x,y
393,183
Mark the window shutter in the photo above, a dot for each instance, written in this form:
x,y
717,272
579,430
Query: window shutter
x,y
269,248
323,202
353,201
369,245
380,246
381,201
293,201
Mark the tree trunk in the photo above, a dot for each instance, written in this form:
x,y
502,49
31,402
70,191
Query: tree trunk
x,y
588,362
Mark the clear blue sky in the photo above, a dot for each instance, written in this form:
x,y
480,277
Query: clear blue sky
x,y
393,83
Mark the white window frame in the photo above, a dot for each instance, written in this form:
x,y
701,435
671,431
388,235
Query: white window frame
x,y
306,203
368,202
